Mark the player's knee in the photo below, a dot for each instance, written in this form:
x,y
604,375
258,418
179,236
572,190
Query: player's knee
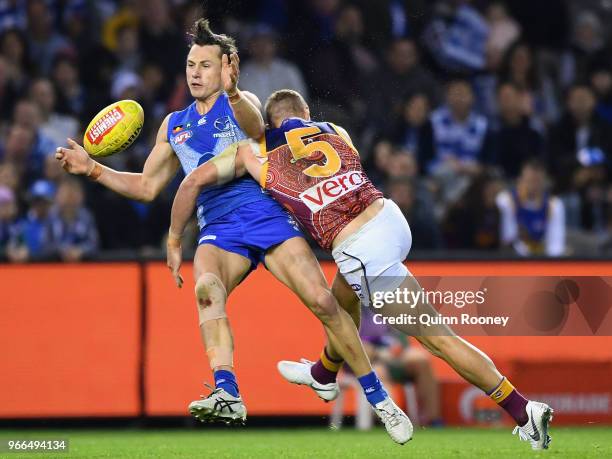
x,y
325,306
211,296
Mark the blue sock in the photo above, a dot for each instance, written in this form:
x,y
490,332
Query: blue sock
x,y
374,391
226,380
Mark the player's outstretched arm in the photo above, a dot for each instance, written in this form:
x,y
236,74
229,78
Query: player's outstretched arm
x,y
160,167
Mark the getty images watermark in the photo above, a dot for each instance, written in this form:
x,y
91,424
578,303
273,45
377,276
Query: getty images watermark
x,y
493,305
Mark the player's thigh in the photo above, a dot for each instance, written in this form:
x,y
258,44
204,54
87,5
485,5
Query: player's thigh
x,y
346,296
227,266
294,264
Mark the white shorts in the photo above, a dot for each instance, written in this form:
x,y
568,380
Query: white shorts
x,y
372,258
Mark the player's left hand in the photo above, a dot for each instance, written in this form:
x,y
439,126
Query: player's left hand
x,y
174,257
230,72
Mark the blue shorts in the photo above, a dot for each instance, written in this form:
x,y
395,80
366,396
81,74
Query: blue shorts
x,y
251,230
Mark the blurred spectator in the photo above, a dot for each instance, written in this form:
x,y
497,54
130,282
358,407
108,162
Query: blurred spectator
x,y
72,97
72,225
462,140
389,20
55,126
19,147
538,91
378,163
503,31
586,50
473,221
337,71
32,239
8,218
127,50
14,68
402,77
311,25
45,42
580,148
419,213
601,82
126,85
532,221
414,132
516,138
12,14
52,170
160,41
28,116
265,72
457,36
9,176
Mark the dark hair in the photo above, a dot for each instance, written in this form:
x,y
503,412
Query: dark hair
x,y
505,71
534,164
201,35
293,101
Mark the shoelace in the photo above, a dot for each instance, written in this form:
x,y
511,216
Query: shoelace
x,y
523,436
306,361
394,417
212,389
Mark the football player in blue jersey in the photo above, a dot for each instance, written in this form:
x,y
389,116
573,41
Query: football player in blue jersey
x,y
240,225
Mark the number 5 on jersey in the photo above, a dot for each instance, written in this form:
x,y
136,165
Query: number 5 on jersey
x,y
301,150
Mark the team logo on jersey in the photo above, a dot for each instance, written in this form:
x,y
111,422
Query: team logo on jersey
x,y
324,193
182,137
223,123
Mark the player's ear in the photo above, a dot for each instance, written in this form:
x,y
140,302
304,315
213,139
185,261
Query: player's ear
x,y
307,113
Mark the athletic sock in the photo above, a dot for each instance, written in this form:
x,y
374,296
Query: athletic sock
x,y
511,400
325,370
226,380
373,389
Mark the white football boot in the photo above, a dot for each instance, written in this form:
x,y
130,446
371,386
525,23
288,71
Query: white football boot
x,y
396,422
219,406
536,429
299,373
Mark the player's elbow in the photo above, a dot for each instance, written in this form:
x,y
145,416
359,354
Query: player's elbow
x,y
146,193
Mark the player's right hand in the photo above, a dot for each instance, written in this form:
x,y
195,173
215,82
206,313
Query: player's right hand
x,y
174,257
74,159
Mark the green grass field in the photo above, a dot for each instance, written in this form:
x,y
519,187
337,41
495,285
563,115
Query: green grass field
x,y
315,443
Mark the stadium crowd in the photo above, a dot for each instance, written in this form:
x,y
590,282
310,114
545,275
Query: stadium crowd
x,y
489,123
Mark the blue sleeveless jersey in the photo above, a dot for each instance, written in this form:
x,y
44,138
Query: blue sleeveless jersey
x,y
197,138
531,222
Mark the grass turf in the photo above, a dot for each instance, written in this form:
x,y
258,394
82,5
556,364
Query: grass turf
x,y
589,442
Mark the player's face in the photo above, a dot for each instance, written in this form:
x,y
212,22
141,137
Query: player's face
x,y
203,71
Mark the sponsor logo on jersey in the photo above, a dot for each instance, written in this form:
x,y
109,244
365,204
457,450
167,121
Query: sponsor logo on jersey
x,y
182,137
202,121
223,123
324,193
222,135
105,125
